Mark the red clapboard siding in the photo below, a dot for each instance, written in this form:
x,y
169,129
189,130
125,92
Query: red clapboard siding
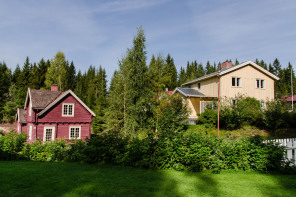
x,y
55,114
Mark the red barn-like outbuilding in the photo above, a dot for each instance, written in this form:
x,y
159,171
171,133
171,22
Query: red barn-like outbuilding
x,y
49,115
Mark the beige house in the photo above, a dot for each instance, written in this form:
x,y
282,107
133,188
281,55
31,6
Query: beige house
x,y
248,79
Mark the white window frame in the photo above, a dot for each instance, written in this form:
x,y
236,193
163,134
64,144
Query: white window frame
x,y
262,105
261,84
68,115
238,80
30,132
75,127
52,134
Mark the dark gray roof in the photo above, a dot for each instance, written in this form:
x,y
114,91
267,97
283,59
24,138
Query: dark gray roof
x,y
189,92
42,98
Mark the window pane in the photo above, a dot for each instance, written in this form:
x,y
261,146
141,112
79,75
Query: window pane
x,y
262,83
65,110
233,81
70,110
238,82
258,83
48,134
72,133
77,133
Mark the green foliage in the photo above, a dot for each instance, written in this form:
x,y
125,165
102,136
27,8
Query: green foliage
x,y
276,115
56,73
209,117
11,146
170,113
192,151
9,111
246,111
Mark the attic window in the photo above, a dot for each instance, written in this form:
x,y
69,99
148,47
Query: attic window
x,y
68,109
198,86
260,83
236,82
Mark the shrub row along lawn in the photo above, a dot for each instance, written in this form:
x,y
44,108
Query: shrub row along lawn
x,y
26,178
170,150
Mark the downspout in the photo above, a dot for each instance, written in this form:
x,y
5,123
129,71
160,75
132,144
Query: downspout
x,y
218,123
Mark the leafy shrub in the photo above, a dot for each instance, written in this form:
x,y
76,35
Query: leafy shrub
x,y
208,118
178,150
247,111
11,145
170,113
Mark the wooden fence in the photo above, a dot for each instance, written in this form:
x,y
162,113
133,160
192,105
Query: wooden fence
x,y
290,146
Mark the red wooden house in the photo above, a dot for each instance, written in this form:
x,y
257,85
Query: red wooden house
x,y
49,115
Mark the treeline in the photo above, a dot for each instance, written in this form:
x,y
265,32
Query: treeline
x,y
132,102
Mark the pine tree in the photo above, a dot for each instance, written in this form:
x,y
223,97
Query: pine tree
x,y
171,72
181,77
5,81
43,66
34,79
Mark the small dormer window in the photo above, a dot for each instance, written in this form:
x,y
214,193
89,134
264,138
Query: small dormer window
x,y
198,86
68,109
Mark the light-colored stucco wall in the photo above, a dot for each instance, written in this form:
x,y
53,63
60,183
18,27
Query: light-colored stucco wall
x,y
248,75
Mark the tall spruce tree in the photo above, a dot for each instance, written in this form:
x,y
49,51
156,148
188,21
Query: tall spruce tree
x,y
170,72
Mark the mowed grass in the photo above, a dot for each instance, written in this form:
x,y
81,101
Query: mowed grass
x,y
18,178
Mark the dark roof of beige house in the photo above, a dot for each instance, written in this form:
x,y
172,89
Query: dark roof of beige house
x,y
189,92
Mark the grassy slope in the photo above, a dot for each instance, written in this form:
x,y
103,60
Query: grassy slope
x,y
76,179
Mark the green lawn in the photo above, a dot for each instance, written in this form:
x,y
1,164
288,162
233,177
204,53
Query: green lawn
x,y
76,179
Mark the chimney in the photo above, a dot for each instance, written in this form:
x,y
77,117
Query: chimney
x,y
54,88
227,65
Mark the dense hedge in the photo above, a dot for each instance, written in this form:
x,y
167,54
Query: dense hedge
x,y
177,150
247,111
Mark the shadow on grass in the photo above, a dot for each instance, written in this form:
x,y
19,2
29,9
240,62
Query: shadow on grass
x,y
76,179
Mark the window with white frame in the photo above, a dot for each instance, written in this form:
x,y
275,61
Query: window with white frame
x,y
68,109
75,132
48,134
198,86
236,82
30,132
260,83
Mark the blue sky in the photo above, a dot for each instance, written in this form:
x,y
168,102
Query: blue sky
x,y
99,32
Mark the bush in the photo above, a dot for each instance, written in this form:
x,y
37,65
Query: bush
x,y
177,150
247,111
208,117
170,113
11,145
